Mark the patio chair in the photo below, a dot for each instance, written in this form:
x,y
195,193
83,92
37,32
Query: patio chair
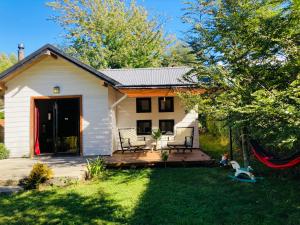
x,y
183,139
130,141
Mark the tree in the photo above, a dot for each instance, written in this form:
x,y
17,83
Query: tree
x,y
179,54
110,33
7,61
248,50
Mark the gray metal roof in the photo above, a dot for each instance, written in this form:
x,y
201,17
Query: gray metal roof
x,y
135,78
140,77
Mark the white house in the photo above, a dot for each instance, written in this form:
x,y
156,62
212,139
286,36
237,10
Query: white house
x,y
56,104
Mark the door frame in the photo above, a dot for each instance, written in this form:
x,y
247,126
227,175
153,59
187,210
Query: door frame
x,y
32,119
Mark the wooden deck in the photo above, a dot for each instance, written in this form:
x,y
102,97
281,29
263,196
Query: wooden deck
x,y
152,159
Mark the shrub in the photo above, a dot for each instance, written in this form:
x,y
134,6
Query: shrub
x,y
39,174
2,115
4,152
164,157
95,168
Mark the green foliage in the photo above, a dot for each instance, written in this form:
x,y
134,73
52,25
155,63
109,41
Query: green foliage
x,y
164,155
178,54
111,33
7,61
213,145
1,115
39,174
250,52
95,168
156,134
4,152
217,128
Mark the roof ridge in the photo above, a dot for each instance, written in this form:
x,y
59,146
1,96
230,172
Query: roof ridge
x,y
147,68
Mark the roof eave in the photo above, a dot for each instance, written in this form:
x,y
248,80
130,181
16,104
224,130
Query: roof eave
x,y
157,86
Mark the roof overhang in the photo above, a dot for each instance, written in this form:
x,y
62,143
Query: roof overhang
x,y
159,92
46,51
155,86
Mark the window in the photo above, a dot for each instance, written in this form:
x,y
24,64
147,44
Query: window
x,y
143,105
166,104
144,127
166,127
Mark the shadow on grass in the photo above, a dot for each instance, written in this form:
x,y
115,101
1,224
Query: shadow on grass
x,y
208,196
159,196
50,207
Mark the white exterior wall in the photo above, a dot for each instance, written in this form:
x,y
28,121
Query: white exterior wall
x,y
112,98
127,117
39,80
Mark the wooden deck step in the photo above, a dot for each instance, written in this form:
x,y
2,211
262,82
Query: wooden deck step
x,y
152,158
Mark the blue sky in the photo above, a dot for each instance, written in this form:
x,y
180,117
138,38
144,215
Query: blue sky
x,y
28,21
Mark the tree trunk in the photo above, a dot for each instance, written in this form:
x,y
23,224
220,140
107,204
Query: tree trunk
x,y
244,149
230,143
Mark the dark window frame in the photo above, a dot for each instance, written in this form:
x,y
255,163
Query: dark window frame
x,y
161,121
139,110
160,99
143,133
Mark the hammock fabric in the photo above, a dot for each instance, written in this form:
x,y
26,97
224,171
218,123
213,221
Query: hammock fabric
x,y
273,162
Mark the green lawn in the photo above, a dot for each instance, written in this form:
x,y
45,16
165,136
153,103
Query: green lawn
x,y
159,196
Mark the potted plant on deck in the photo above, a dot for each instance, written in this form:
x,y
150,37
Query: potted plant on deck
x,y
156,135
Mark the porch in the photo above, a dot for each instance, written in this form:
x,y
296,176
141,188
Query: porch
x,y
153,159
146,110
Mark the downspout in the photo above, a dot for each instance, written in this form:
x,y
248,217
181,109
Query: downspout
x,y
119,101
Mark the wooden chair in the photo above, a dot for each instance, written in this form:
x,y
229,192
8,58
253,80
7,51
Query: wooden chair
x,y
183,140
130,141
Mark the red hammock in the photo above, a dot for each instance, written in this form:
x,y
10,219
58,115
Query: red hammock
x,y
267,160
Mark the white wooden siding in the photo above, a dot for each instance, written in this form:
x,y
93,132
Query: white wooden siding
x,y
127,117
39,80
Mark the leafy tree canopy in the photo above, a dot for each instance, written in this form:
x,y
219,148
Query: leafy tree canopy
x,y
178,54
7,61
111,33
249,50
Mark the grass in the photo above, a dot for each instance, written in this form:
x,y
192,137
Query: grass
x,y
159,196
214,146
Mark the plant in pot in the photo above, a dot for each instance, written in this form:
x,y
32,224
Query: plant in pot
x,y
156,135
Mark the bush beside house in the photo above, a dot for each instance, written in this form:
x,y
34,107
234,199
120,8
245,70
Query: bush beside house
x,y
39,174
4,152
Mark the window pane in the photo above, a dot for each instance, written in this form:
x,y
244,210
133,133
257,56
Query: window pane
x,y
166,126
144,127
143,105
166,104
